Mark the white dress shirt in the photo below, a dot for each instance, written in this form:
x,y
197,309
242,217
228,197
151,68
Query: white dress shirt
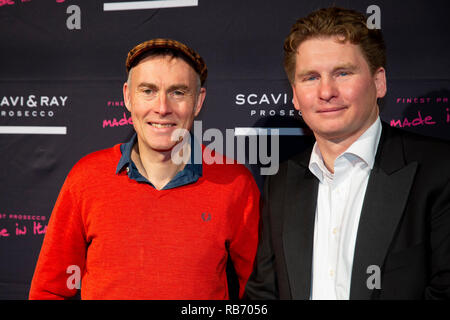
x,y
339,201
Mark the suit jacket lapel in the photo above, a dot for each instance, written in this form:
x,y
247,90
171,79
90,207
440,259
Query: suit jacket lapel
x,y
298,231
386,196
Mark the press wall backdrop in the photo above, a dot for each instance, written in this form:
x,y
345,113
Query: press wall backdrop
x,y
62,71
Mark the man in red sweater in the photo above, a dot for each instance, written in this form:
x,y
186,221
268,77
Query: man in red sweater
x,y
130,223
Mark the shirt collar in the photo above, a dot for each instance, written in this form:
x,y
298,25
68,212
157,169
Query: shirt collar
x,y
191,172
125,148
364,148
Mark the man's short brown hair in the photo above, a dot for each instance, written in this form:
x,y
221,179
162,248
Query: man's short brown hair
x,y
348,25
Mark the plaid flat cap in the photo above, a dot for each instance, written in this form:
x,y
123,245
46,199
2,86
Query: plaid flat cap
x,y
197,61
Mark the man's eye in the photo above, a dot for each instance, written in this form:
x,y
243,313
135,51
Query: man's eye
x,y
148,91
343,73
178,93
310,78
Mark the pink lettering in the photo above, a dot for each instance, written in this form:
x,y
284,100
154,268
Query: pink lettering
x,y
11,2
115,103
4,233
428,120
114,123
123,121
415,100
418,121
6,2
406,123
38,228
107,123
395,123
20,232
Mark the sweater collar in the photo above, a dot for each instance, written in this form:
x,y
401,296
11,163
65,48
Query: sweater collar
x,y
190,173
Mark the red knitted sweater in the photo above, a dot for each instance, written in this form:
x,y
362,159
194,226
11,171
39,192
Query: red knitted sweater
x,y
131,241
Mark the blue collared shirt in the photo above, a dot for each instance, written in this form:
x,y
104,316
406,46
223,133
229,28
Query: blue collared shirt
x,y
190,174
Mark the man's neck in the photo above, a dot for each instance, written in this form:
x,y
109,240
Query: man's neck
x,y
156,166
331,148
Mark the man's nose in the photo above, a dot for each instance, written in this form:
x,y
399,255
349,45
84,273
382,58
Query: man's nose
x,y
164,105
327,89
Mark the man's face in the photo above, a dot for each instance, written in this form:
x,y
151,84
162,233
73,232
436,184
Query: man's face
x,y
335,90
162,96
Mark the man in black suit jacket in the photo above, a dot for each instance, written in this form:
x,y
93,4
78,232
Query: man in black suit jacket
x,y
365,213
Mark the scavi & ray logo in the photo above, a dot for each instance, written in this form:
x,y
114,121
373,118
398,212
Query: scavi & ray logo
x,y
33,101
31,106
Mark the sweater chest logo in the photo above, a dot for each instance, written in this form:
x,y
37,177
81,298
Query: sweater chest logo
x,y
206,216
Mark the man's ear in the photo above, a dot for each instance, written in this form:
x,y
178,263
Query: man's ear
x,y
126,96
380,82
200,99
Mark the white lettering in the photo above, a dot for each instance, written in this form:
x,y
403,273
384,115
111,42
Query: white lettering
x,y
248,98
213,153
374,21
63,100
14,101
264,99
44,101
74,281
4,102
240,99
374,281
215,147
73,22
181,153
54,102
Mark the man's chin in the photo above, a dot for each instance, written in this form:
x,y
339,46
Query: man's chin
x,y
330,134
162,148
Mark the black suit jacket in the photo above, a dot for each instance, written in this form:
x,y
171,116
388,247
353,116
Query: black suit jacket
x,y
404,227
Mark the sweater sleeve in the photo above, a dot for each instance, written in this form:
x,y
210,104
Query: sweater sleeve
x,y
62,257
245,240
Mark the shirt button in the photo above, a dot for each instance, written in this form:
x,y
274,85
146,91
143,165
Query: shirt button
x,y
128,169
331,273
335,231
